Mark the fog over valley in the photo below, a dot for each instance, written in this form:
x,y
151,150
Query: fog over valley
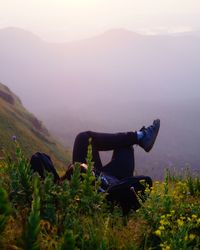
x,y
117,81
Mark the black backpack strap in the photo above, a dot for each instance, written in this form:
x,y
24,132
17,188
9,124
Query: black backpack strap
x,y
139,183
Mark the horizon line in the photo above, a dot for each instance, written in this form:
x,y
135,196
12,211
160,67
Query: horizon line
x,y
145,33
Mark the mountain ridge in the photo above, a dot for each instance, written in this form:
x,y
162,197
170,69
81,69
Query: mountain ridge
x,y
16,32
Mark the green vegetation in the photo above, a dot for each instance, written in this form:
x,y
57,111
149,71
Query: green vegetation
x,y
36,214
5,209
31,134
32,229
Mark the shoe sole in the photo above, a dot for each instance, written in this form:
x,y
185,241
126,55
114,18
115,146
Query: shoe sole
x,y
154,139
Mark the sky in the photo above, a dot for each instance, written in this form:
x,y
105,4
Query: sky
x,y
68,20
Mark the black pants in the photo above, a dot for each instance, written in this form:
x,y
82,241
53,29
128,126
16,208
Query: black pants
x,y
122,162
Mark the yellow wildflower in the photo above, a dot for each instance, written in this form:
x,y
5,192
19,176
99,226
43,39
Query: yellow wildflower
x,y
147,190
180,222
164,247
194,216
158,232
192,236
162,222
161,228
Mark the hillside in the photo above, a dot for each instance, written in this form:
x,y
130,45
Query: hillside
x,y
32,135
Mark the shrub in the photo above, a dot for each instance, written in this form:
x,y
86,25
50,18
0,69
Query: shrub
x,y
32,229
73,215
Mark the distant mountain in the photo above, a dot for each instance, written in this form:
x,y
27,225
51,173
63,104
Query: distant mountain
x,y
116,81
118,65
32,135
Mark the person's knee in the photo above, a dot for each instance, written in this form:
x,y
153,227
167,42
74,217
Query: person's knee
x,y
83,137
80,146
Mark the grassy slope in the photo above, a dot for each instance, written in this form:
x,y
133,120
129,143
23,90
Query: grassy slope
x,y
169,219
30,133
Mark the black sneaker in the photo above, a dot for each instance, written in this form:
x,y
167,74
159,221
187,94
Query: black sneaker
x,y
150,134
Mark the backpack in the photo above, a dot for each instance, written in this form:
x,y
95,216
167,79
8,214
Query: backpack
x,y
41,162
126,192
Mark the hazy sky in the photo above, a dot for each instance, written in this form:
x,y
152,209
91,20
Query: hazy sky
x,y
59,20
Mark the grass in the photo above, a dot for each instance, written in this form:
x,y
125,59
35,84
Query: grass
x,y
73,215
31,134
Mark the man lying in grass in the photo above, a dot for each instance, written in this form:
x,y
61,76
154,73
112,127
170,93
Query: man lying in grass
x,y
117,176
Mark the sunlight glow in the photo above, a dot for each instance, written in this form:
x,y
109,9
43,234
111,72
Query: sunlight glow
x,y
76,19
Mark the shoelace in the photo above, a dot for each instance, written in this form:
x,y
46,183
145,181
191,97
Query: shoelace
x,y
145,130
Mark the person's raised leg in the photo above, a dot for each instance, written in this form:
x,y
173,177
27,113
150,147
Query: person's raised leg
x,y
122,163
100,142
80,150
106,141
